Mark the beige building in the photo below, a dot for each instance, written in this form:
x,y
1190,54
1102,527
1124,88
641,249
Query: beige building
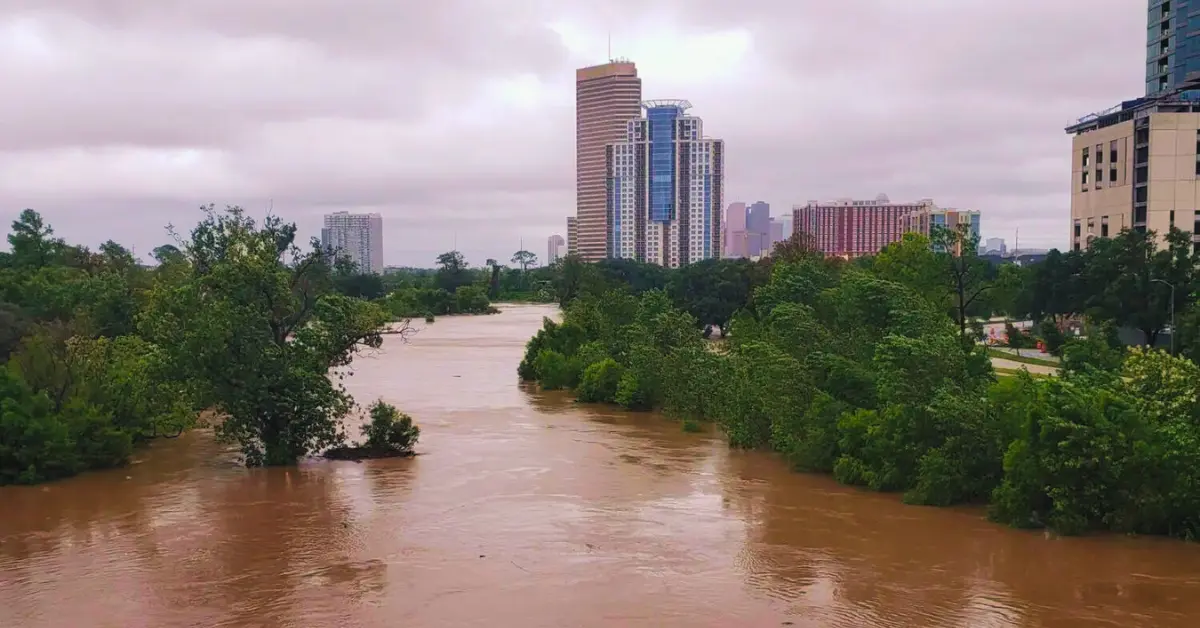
x,y
572,237
1135,166
607,97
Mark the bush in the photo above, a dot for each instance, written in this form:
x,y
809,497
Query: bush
x,y
600,381
1053,337
390,430
1015,338
553,370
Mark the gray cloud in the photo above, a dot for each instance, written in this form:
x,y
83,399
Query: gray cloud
x,y
121,116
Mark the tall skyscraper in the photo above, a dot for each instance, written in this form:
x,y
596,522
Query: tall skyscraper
x,y
358,237
607,97
735,231
555,248
758,230
849,228
665,188
572,236
1172,44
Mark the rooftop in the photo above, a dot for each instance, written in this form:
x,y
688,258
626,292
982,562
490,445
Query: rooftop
x,y
667,103
1184,99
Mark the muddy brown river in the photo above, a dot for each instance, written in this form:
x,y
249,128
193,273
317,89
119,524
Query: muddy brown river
x,y
527,510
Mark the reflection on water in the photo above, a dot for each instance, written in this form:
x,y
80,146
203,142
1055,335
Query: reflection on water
x,y
527,509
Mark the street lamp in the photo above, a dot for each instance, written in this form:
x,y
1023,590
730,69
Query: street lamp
x,y
1173,330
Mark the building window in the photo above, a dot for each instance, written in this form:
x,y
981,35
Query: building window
x,y
1086,158
1112,152
1085,177
1172,218
1076,227
1112,175
1104,226
1099,177
1099,153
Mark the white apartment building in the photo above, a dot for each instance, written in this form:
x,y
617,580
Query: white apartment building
x,y
358,237
664,188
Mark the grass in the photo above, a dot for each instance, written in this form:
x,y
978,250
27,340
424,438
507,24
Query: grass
x,y
1004,355
1003,372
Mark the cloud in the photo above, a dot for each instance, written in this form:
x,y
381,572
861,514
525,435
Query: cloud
x,y
454,119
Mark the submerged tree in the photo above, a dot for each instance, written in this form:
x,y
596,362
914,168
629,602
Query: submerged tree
x,y
257,325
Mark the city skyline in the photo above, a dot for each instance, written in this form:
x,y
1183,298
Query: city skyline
x,y
298,116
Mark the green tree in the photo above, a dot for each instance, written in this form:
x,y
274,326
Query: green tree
x,y
451,272
964,273
259,335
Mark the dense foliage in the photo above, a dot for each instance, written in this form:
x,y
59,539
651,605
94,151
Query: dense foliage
x,y
869,371
102,353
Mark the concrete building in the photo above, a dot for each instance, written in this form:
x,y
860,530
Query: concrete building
x,y
358,237
850,228
572,236
607,97
1172,45
995,246
665,188
758,229
1135,166
927,218
556,249
775,235
734,228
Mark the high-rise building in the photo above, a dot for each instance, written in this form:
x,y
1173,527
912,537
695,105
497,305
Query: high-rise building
x,y
665,188
607,97
556,248
358,237
850,228
926,219
1172,45
572,236
758,230
995,246
734,227
1113,154
774,235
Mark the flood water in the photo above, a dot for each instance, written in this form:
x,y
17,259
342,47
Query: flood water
x,y
527,510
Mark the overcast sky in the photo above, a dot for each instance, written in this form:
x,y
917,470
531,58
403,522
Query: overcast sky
x,y
454,119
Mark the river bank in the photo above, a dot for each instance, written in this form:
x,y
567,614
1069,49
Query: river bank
x,y
527,509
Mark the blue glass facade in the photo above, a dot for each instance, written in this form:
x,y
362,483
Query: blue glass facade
x,y
662,162
1172,43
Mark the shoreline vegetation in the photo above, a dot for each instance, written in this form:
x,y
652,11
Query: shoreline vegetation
x,y
103,354
871,371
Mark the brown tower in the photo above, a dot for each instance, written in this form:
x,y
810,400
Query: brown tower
x,y
606,98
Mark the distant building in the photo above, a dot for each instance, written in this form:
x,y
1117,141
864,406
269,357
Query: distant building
x,y
775,235
758,229
925,220
735,231
556,249
994,246
665,188
850,228
572,236
607,97
358,237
